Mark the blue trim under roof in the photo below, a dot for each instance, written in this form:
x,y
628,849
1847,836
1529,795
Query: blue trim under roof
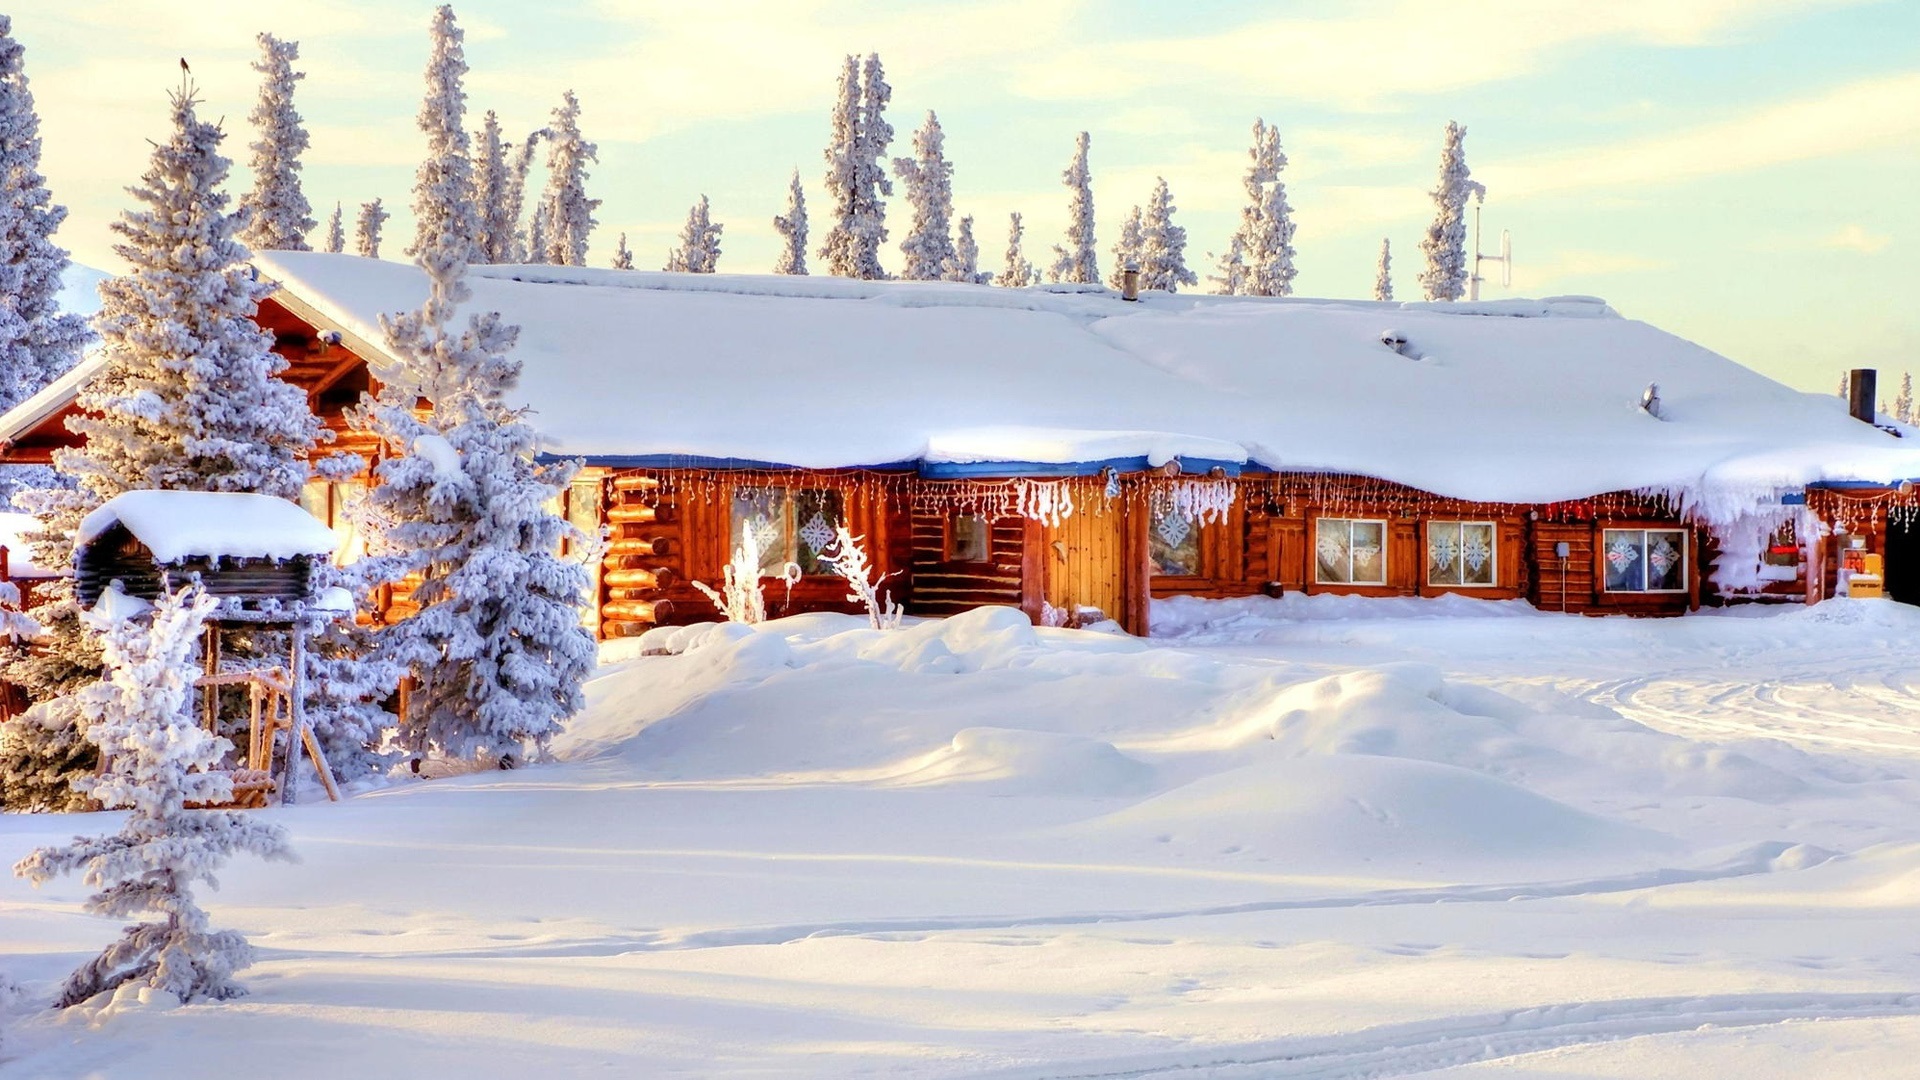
x,y
1859,485
931,470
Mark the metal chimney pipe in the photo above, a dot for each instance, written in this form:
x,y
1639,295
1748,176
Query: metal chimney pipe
x,y
1130,282
1860,394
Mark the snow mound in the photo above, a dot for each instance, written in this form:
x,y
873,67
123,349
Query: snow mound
x,y
1335,809
1012,762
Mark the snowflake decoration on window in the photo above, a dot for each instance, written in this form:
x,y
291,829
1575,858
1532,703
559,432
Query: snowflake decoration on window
x,y
766,531
816,533
1332,550
1621,554
1365,556
1476,551
1173,529
1441,551
1662,557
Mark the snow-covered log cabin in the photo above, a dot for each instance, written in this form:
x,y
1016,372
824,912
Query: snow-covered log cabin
x,y
1068,451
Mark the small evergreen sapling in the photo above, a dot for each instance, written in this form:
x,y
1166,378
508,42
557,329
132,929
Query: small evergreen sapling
x,y
1383,273
1015,271
336,232
1903,402
792,227
966,256
366,233
622,254
279,215
699,250
159,760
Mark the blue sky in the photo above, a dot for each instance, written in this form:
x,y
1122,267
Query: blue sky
x,y
1742,172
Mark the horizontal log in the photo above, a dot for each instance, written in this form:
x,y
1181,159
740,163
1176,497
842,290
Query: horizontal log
x,y
635,610
631,546
624,515
619,628
638,578
635,482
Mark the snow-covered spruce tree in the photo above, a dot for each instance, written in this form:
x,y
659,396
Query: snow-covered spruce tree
x,y
966,255
280,217
568,210
443,186
1446,241
496,650
1232,278
1126,250
37,341
1080,265
187,398
1163,245
622,254
159,760
856,179
366,233
490,181
336,231
1015,271
525,249
534,247
1383,273
792,227
699,250
928,179
1903,401
1259,259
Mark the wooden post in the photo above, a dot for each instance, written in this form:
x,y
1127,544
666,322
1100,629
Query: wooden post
x,y
296,712
210,695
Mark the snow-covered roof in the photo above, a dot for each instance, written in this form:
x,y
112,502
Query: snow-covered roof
x,y
52,397
14,528
1511,400
178,525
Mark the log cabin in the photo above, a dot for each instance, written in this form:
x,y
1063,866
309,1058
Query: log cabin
x,y
1080,455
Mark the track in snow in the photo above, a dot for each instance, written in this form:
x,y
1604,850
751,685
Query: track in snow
x,y
1864,708
1403,1049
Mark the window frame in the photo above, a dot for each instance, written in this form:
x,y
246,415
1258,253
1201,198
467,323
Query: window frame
x,y
1386,539
1682,586
1493,554
1202,549
789,497
951,534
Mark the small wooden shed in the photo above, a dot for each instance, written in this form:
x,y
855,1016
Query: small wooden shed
x,y
253,551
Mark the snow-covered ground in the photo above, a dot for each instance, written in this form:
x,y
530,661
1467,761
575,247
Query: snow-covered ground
x,y
1296,838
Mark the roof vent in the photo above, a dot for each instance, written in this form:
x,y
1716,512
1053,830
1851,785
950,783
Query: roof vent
x,y
1860,390
1650,401
1397,341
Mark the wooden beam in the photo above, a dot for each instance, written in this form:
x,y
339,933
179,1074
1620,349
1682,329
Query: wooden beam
x,y
333,375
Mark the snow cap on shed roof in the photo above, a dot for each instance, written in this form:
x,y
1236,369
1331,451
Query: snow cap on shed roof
x,y
177,525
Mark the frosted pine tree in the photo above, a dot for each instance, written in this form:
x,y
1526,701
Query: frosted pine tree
x,y
37,341
1383,273
1015,271
792,227
336,232
1259,259
159,760
536,239
280,215
928,179
366,233
491,178
496,650
622,254
1903,402
966,256
1446,240
842,172
1232,277
1126,250
443,186
568,211
1076,262
699,250
856,179
525,249
347,681
1163,245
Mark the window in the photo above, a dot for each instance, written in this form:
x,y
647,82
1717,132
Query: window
x,y
1461,553
790,525
1173,543
969,539
1645,560
1350,551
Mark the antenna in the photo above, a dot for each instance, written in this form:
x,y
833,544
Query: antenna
x,y
1505,258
